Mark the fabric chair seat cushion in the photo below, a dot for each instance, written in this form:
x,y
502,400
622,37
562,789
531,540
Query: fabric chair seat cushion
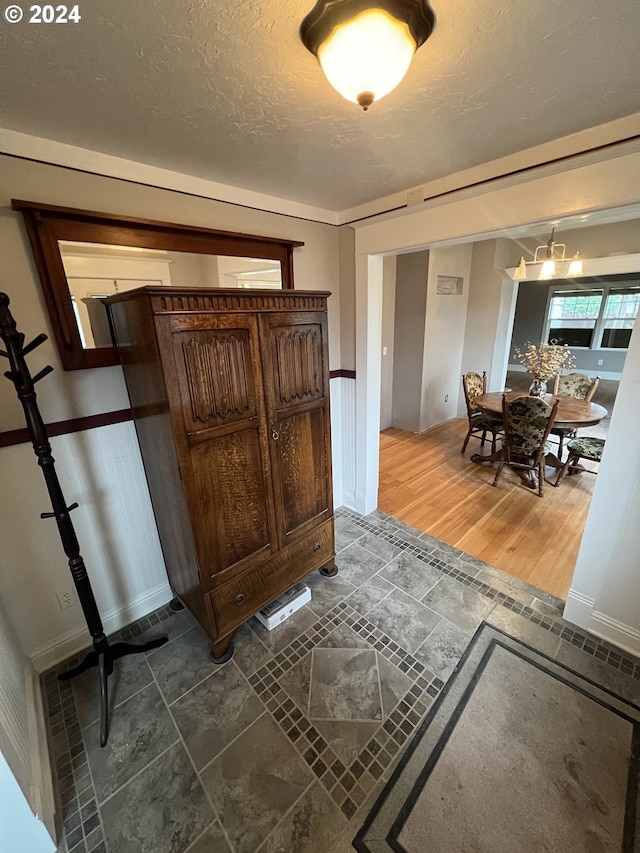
x,y
482,421
563,431
586,448
548,448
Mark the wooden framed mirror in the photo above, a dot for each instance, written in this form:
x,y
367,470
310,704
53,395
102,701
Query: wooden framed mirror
x,y
83,256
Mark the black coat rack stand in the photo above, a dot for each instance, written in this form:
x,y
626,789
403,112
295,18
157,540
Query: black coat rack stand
x,y
103,654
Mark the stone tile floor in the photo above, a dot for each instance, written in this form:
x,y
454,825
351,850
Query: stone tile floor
x,y
285,748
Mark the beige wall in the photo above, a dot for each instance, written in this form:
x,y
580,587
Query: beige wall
x,y
346,249
425,350
412,271
89,392
444,336
388,338
489,315
101,469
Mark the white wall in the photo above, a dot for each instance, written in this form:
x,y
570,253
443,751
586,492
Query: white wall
x,y
101,469
20,829
489,316
26,794
605,589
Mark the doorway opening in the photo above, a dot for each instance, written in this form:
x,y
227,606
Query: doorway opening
x,y
426,483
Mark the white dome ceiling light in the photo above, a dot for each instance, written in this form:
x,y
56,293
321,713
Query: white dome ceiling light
x,y
365,47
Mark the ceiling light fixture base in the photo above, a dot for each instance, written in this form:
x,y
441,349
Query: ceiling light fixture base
x,y
365,47
326,15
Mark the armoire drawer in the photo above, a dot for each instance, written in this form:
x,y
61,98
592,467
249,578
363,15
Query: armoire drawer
x,y
236,601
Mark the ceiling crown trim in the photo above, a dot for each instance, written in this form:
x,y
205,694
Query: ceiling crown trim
x,y
54,153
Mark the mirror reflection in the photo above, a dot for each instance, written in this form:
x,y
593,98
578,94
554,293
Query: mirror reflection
x,y
96,270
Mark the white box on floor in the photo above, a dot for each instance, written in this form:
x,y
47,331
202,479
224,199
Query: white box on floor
x,y
284,606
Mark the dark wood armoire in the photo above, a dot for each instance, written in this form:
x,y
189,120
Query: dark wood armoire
x,y
230,394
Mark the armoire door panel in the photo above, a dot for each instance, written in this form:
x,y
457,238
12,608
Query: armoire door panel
x,y
217,378
299,453
219,382
294,356
229,498
298,364
294,345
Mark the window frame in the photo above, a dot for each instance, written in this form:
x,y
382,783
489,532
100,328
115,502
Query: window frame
x,y
590,285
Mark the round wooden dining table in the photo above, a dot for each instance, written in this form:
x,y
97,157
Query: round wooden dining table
x,y
572,414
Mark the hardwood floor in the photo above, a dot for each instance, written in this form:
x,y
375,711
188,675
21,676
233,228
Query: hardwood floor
x,y
427,483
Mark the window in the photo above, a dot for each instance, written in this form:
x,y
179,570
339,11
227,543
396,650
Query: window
x,y
593,318
573,315
620,313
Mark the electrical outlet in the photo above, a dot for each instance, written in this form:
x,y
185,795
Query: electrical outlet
x,y
67,598
600,362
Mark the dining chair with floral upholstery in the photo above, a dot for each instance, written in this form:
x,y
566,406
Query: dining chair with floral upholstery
x,y
527,423
480,424
586,447
577,385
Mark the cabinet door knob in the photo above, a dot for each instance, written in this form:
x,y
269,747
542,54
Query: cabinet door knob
x,y
239,599
316,547
275,435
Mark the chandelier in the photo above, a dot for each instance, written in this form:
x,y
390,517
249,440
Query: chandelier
x,y
554,254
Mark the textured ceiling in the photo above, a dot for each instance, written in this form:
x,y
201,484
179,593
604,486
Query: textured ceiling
x,y
226,91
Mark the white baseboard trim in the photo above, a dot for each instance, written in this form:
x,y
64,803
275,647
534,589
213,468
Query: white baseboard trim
x,y
361,505
579,609
617,633
349,500
75,641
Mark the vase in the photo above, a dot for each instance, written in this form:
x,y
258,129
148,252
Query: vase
x,y
538,388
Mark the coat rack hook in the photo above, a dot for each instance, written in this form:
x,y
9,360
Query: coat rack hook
x,y
44,372
40,339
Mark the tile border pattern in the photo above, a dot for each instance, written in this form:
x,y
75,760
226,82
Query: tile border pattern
x,y
599,649
81,830
348,786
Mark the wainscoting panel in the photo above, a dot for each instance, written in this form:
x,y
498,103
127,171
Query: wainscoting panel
x,y
23,742
348,404
102,470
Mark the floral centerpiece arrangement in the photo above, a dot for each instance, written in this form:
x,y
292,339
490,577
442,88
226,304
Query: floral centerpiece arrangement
x,y
542,362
